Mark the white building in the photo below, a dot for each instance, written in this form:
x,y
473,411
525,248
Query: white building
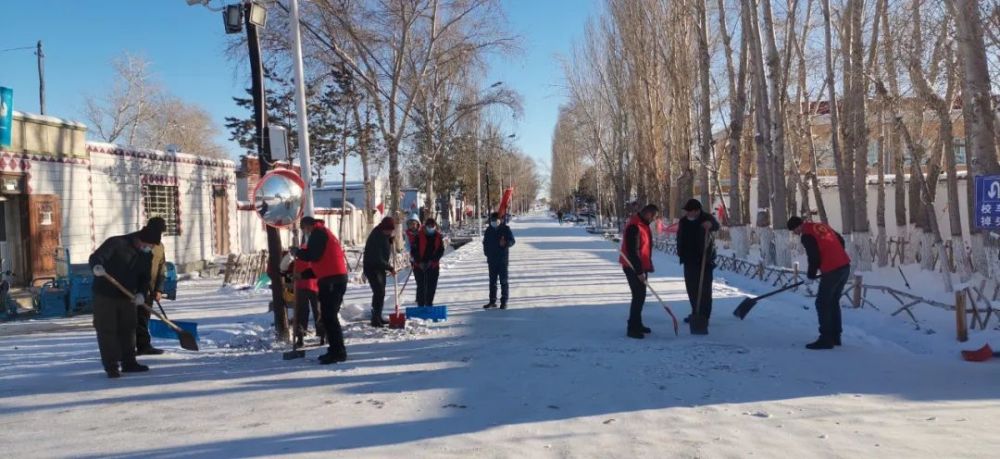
x,y
60,191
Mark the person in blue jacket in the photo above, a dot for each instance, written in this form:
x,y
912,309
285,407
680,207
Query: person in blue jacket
x,y
497,241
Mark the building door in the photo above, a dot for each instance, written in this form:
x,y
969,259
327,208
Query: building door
x,y
221,220
44,229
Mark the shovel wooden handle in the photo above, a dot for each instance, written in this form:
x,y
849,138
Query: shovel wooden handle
x,y
129,294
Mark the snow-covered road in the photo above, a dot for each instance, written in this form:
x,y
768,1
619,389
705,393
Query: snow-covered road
x,y
554,376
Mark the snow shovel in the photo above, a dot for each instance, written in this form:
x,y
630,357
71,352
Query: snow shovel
x,y
160,329
747,304
980,355
663,303
187,340
396,319
699,323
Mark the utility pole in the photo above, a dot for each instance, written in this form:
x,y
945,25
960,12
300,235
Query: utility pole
x,y
264,156
300,102
41,78
479,192
343,185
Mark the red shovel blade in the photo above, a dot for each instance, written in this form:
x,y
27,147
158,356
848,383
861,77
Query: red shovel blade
x,y
979,355
397,320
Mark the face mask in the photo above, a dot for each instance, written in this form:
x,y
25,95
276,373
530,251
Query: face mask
x,y
493,224
431,231
147,249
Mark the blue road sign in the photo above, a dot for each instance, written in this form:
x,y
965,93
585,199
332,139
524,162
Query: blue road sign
x,y
987,205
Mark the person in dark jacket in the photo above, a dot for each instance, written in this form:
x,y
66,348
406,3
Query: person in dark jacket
x,y
328,265
636,259
826,252
497,241
692,231
127,259
376,262
143,341
426,252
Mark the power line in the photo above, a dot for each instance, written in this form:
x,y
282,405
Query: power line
x,y
16,49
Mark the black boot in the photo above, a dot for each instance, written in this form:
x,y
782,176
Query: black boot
x,y
645,329
134,367
112,370
149,351
836,340
489,305
635,333
299,342
333,357
821,343
377,322
503,305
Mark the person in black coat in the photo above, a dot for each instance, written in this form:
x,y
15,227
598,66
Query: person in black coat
x,y
692,230
426,251
128,260
376,262
497,241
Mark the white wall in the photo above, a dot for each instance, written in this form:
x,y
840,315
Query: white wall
x,y
118,175
832,200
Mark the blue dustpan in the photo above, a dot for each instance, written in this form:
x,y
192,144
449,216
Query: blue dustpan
x,y
160,329
434,313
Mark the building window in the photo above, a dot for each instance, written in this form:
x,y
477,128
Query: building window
x,y
161,201
960,152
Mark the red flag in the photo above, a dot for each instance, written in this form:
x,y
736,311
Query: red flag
x,y
505,201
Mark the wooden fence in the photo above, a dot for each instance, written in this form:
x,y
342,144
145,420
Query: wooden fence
x,y
245,269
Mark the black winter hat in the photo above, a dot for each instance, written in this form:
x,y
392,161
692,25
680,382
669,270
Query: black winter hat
x,y
150,235
794,222
692,204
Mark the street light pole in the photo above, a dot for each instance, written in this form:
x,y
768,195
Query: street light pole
x,y
479,195
300,102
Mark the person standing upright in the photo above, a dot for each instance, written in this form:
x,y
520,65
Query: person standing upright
x,y
826,252
127,259
156,226
497,241
427,250
376,262
637,262
328,266
692,236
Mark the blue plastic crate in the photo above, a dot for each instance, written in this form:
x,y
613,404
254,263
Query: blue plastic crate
x,y
170,282
434,313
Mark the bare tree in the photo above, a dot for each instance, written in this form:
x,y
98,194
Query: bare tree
x,y
977,110
118,114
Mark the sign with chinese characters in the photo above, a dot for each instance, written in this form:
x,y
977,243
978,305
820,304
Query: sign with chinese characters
x,y
987,205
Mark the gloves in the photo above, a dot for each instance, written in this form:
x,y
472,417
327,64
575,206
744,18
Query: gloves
x,y
138,299
99,271
307,274
812,276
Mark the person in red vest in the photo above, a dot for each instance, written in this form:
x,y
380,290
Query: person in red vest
x,y
826,253
306,299
329,267
426,252
637,262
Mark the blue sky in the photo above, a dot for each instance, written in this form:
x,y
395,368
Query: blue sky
x,y
186,45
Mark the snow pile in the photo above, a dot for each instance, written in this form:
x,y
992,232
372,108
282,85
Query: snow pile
x,y
354,312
